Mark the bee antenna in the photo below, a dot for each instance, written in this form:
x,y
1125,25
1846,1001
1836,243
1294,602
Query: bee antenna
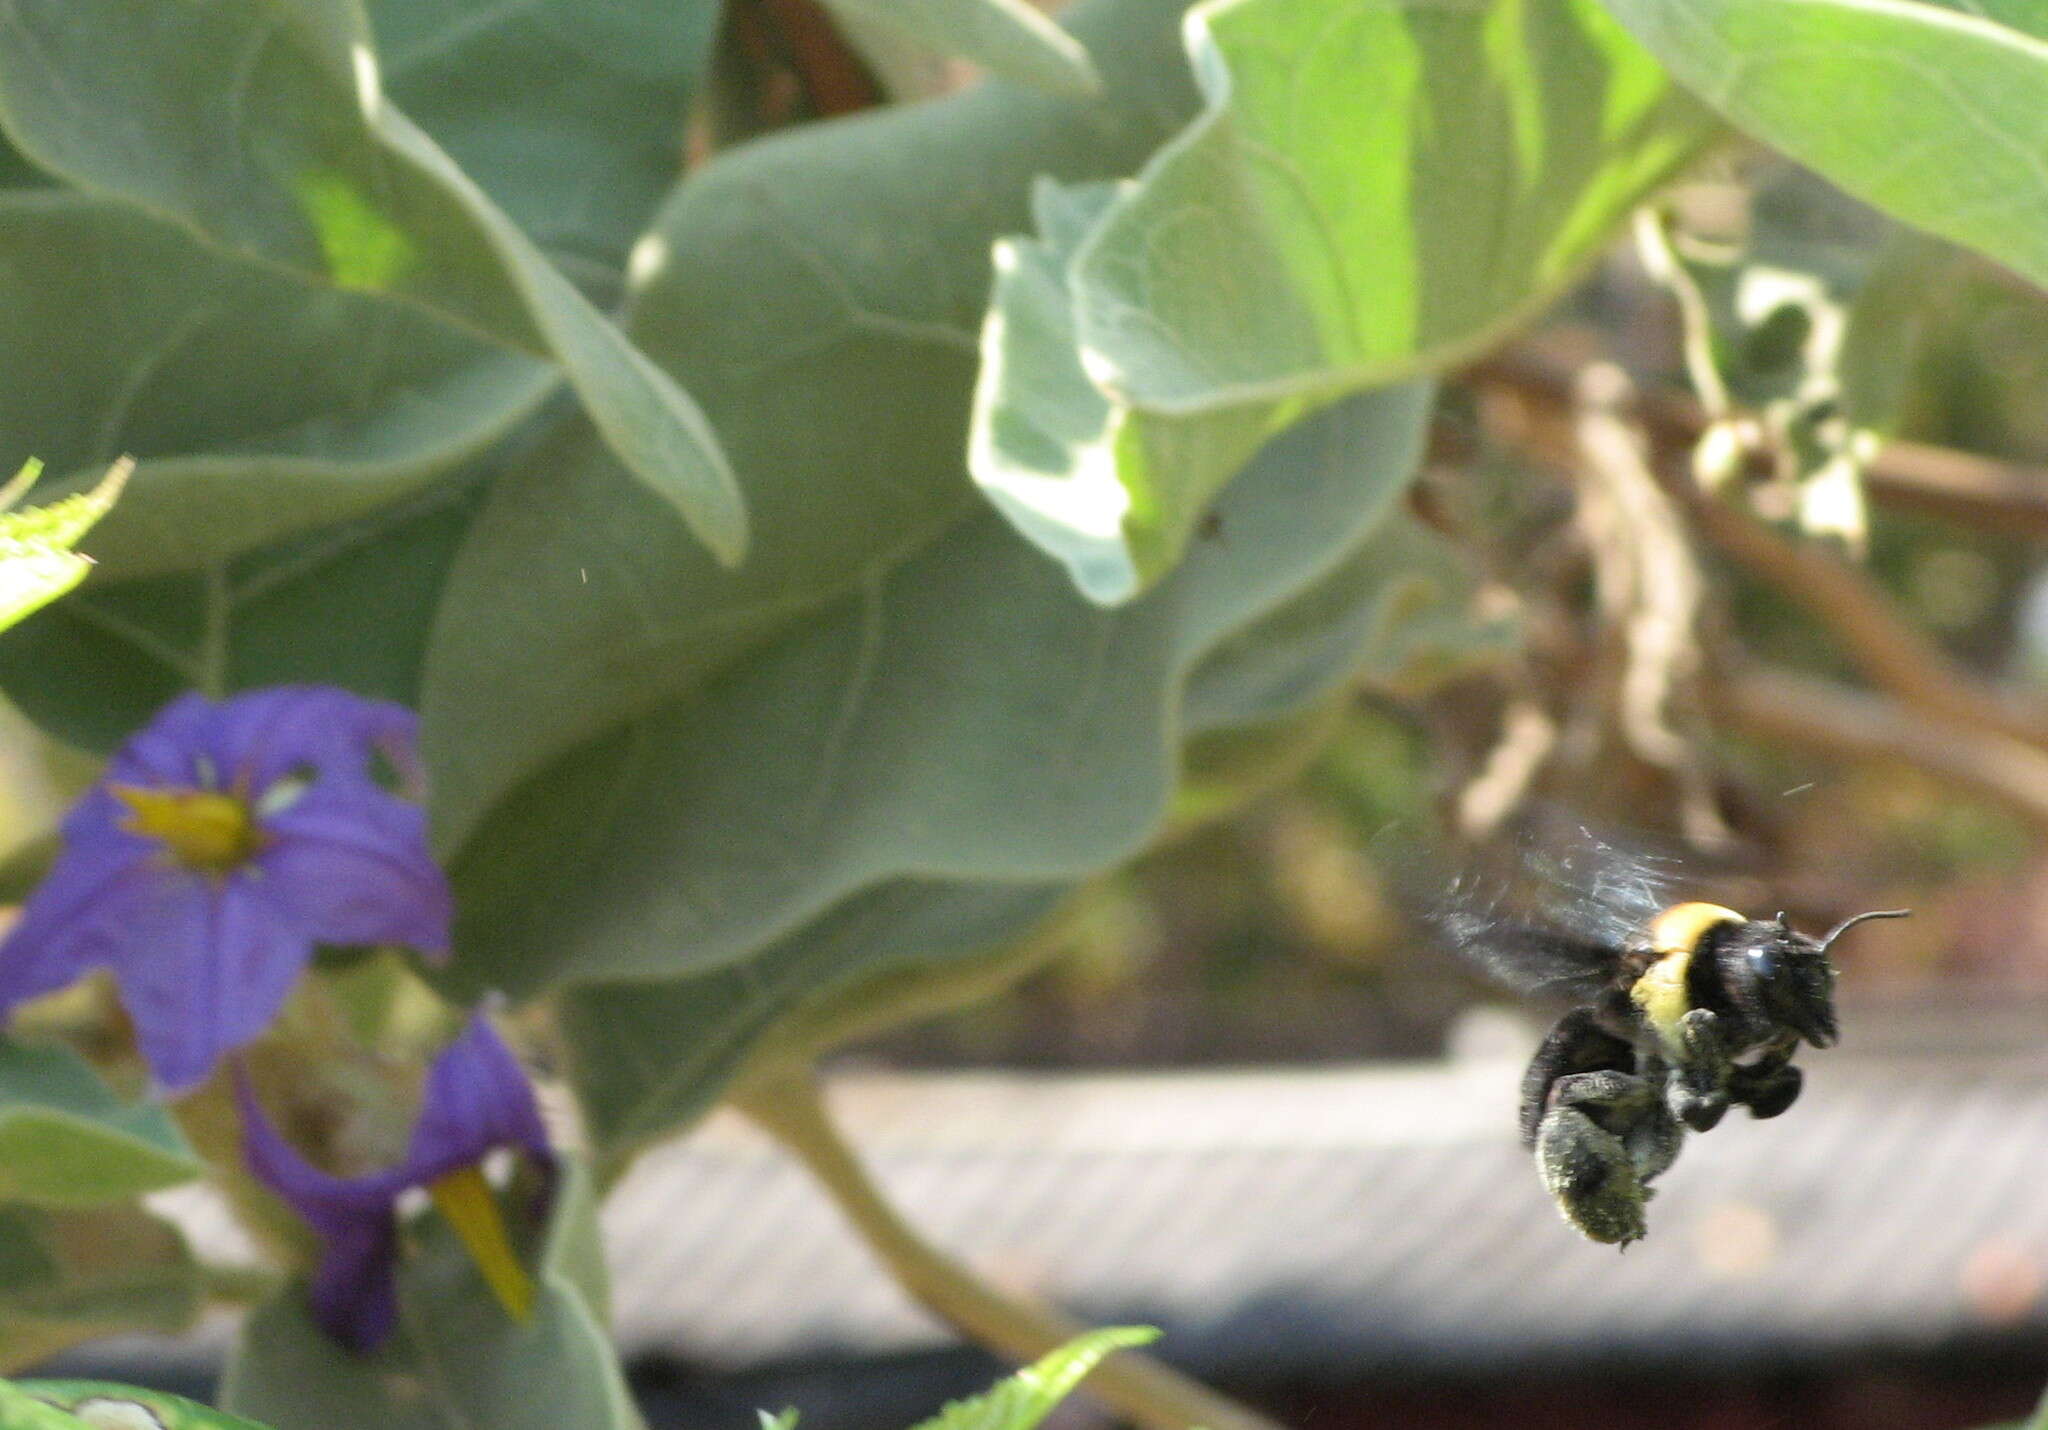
x,y
1846,924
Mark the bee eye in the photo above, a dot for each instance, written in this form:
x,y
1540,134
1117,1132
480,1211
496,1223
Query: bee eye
x,y
1764,961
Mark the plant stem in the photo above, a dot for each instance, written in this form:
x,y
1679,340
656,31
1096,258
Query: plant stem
x,y
238,1285
1153,1395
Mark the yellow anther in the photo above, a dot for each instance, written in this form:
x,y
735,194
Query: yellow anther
x,y
465,1200
207,831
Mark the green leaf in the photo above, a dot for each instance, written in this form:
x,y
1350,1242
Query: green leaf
x,y
21,1411
569,115
104,1405
830,761
1374,190
648,1057
457,1359
1933,115
309,167
67,1141
71,1276
1026,1398
1111,492
819,291
1008,38
180,362
347,605
38,562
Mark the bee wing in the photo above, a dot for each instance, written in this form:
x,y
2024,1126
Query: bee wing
x,y
1524,953
1556,921
1604,890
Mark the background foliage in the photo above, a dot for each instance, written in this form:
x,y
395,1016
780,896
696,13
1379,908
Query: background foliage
x,y
821,552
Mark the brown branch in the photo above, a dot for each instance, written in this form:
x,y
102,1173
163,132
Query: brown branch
x,y
2001,497
2007,498
1889,652
1886,648
1834,720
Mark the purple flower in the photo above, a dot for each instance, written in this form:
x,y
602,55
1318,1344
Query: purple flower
x,y
225,841
476,1100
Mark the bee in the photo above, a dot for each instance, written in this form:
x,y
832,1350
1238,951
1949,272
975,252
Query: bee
x,y
1681,1010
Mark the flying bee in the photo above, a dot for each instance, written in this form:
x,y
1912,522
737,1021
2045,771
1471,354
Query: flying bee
x,y
1681,1010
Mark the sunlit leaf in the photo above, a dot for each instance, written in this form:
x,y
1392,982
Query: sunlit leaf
x,y
1932,113
104,1405
1026,1398
38,557
1373,190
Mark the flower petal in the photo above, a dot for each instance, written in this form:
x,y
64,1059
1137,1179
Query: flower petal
x,y
167,751
477,1098
353,1290
264,735
350,864
207,964
355,1286
74,920
325,1202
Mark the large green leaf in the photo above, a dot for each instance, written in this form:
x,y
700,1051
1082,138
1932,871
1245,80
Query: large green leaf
x,y
1374,189
647,1058
569,114
69,1276
67,1141
456,1360
262,403
262,126
1007,37
832,759
819,292
103,1405
1933,114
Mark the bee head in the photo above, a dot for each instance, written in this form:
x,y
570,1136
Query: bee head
x,y
1780,976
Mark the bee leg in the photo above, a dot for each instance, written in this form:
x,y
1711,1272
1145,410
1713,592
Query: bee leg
x,y
1766,1087
1604,1137
1653,1141
1576,1044
1626,1106
1697,1089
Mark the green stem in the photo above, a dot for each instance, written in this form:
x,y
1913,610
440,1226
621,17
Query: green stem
x,y
1148,1392
238,1285
213,648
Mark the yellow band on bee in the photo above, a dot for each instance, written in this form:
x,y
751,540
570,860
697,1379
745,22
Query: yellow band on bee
x,y
1680,928
1661,990
464,1199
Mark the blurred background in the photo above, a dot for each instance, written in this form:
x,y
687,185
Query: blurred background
x,y
1245,1098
